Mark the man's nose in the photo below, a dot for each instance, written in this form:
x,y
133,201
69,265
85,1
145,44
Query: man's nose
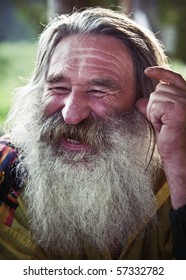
x,y
76,108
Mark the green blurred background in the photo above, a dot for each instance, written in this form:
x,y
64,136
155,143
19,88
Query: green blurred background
x,y
22,21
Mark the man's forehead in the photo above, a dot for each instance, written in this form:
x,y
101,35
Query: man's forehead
x,y
91,43
93,52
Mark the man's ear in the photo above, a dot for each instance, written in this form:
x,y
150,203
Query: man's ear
x,y
141,105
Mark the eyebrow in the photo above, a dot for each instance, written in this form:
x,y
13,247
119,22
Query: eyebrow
x,y
56,79
104,82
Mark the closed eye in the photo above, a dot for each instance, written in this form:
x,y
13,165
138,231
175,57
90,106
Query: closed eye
x,y
59,90
97,93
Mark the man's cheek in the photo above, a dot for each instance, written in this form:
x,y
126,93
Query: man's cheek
x,y
51,104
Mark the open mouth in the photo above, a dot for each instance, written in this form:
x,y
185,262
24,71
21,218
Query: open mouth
x,y
74,145
72,141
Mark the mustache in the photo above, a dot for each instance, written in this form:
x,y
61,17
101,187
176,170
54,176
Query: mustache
x,y
93,131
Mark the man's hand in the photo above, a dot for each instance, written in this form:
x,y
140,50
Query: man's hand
x,y
166,110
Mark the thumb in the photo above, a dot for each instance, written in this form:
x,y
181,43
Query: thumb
x,y
141,105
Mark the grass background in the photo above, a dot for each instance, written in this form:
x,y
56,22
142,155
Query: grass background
x,y
16,64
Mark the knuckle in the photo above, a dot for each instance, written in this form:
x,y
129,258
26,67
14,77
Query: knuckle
x,y
153,95
159,87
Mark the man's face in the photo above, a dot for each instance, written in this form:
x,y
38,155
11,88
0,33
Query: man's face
x,y
89,76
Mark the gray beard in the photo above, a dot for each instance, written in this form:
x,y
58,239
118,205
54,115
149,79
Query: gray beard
x,y
95,199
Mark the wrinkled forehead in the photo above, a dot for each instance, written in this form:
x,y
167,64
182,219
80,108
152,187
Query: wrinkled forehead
x,y
91,50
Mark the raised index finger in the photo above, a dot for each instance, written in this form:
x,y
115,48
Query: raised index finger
x,y
166,75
